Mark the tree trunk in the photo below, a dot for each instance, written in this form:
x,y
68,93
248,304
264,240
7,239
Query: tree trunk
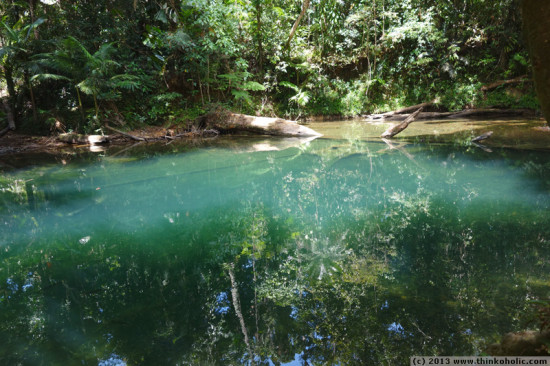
x,y
31,92
32,7
96,106
536,26
228,122
82,118
259,35
305,6
9,105
237,308
9,114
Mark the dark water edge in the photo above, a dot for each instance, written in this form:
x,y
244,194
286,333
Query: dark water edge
x,y
343,251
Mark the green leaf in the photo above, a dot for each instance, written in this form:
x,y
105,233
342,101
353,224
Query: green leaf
x,y
252,85
41,77
289,85
241,94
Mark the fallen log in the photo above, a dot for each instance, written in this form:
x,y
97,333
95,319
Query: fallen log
x,y
392,131
410,109
467,113
496,84
481,137
228,122
76,138
420,116
491,112
137,138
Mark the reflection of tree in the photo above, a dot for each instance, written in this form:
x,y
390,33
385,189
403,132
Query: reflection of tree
x,y
340,259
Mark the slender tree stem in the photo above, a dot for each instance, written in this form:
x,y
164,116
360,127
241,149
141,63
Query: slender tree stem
x,y
238,312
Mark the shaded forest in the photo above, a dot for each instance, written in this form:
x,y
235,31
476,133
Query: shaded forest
x,y
77,65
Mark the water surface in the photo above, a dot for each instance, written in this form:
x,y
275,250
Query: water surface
x,y
337,251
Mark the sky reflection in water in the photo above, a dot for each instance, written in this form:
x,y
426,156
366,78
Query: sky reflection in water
x,y
342,251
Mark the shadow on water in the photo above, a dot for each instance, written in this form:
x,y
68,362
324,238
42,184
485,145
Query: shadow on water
x,y
335,252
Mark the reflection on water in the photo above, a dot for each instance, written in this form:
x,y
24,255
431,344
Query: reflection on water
x,y
513,133
334,252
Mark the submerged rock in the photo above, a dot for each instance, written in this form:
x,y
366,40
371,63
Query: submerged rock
x,y
526,343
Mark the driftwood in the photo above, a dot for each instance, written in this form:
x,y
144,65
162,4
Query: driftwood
x,y
228,122
76,138
216,122
481,137
402,113
420,116
394,130
169,134
137,138
467,113
410,109
492,112
496,84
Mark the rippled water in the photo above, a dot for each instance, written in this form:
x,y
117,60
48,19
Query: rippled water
x,y
336,251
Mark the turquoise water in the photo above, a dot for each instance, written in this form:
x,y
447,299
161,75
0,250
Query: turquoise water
x,y
336,251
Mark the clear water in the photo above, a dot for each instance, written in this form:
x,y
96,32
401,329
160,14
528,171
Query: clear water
x,y
338,251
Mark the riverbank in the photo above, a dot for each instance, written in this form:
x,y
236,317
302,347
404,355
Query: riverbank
x,y
530,133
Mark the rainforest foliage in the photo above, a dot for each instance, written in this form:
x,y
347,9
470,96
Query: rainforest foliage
x,y
89,62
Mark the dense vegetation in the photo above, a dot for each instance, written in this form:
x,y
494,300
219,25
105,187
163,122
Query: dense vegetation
x,y
85,63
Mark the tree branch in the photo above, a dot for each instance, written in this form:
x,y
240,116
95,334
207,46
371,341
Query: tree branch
x,y
137,138
496,84
392,131
305,6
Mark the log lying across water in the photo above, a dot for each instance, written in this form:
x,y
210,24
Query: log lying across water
x,y
228,122
466,113
212,124
482,137
76,138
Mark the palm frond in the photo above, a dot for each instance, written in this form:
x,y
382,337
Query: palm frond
x,y
126,81
33,25
87,88
45,76
73,44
